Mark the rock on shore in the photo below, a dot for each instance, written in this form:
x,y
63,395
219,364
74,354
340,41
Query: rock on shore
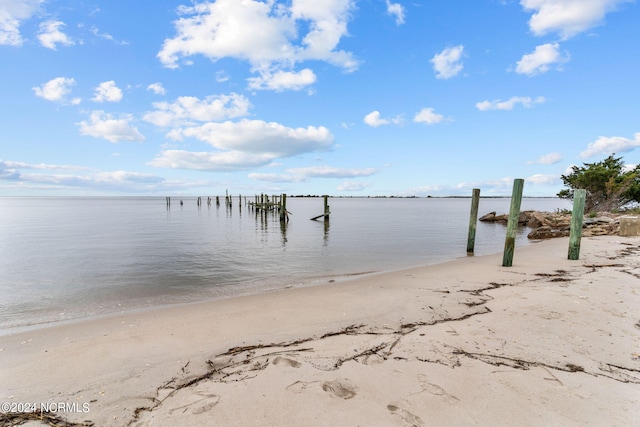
x,y
548,225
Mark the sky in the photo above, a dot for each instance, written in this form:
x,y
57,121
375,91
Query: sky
x,y
338,97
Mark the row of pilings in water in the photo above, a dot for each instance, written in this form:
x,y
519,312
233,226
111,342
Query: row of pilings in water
x,y
263,203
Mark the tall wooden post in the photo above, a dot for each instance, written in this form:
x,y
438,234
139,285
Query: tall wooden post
x,y
326,207
577,216
473,220
512,224
283,208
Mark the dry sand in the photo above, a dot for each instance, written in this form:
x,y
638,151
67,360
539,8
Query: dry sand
x,y
546,342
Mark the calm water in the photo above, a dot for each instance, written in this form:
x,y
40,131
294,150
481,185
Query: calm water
x,y
68,258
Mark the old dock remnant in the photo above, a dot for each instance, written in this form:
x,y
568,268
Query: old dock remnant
x,y
326,213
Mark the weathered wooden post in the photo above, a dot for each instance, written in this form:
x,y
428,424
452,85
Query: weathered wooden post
x,y
577,216
283,208
326,207
512,224
199,201
473,220
217,200
168,202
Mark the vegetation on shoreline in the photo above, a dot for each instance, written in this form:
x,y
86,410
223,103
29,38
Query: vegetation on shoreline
x,y
610,186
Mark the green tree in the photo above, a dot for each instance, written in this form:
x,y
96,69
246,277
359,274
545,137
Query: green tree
x,y
609,187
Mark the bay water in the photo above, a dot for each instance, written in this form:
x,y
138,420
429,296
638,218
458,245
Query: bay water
x,y
70,258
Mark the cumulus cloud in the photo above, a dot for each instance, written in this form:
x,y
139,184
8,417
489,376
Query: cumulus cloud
x,y
396,10
187,110
55,89
547,159
50,35
611,144
541,59
427,115
12,13
448,63
373,119
509,104
106,126
243,145
567,17
228,161
257,136
281,36
282,80
107,92
157,88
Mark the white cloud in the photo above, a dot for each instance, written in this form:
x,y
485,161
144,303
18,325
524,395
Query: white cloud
x,y
283,80
96,32
303,174
55,89
397,10
426,115
188,109
243,145
257,136
50,35
611,144
46,176
547,159
373,119
448,63
330,172
157,88
210,161
274,177
509,104
12,13
567,17
107,92
276,42
105,125
540,179
541,59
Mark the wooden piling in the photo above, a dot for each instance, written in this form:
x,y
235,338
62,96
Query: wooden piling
x,y
326,213
284,215
217,200
577,216
512,224
473,220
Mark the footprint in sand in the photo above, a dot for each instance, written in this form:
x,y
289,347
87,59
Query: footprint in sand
x,y
300,386
199,402
434,389
342,389
286,362
411,419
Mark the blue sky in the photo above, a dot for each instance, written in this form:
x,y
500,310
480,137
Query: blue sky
x,y
340,97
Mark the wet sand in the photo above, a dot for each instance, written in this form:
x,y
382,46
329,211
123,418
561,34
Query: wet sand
x,y
546,342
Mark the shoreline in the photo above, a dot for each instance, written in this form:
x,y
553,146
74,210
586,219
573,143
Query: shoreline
x,y
400,348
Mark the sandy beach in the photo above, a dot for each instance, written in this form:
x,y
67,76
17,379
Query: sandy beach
x,y
547,342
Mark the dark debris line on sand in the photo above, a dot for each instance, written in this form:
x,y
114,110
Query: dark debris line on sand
x,y
45,417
